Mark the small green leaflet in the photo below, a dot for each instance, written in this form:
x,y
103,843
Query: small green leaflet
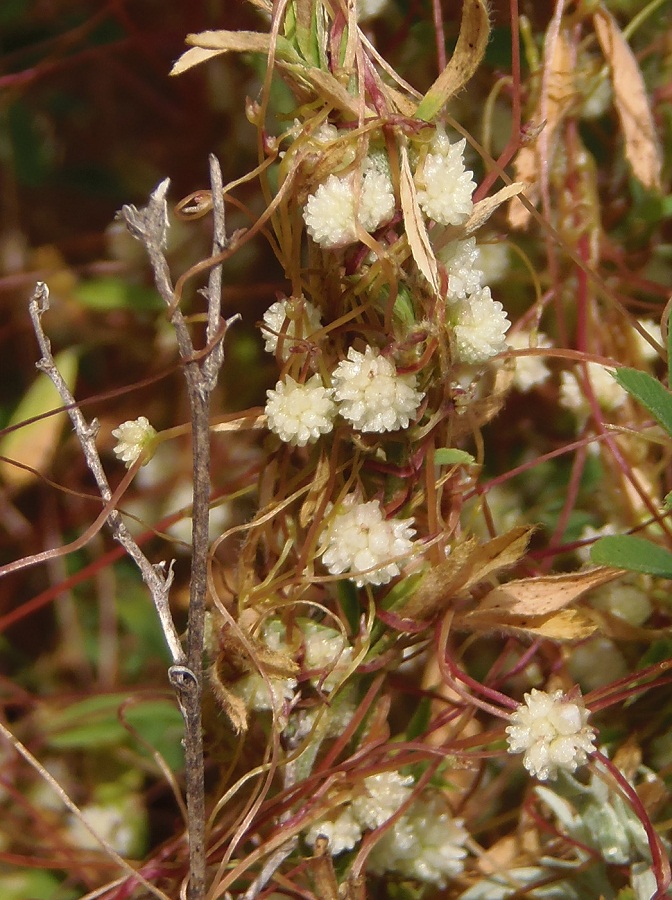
x,y
449,456
625,551
650,393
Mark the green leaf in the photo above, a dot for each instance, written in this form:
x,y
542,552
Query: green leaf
x,y
106,294
649,392
34,445
94,723
349,600
34,884
625,551
668,500
449,456
420,719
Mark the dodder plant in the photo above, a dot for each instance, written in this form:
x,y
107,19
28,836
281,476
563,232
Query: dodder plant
x,y
358,672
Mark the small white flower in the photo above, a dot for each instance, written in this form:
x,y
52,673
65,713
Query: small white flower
x,y
304,319
325,648
330,212
121,824
588,533
444,187
370,9
479,325
624,599
459,258
531,371
342,833
134,438
372,396
552,731
493,261
381,798
260,694
357,538
645,351
300,413
596,662
608,392
426,843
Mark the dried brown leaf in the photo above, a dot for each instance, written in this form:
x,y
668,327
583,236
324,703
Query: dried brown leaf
x,y
469,50
556,95
565,625
486,207
327,88
468,564
416,231
544,595
642,148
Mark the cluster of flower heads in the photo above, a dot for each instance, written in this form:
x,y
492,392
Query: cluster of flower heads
x,y
366,388
425,843
360,541
325,653
551,730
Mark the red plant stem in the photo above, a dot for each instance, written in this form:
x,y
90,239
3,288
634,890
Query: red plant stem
x,y
455,677
659,857
513,143
437,14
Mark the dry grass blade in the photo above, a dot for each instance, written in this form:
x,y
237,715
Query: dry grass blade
x,y
469,50
555,98
416,230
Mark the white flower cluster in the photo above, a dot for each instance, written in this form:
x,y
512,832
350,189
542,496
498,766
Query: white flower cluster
x,y
479,324
134,438
380,798
300,413
341,203
302,317
460,258
372,396
357,539
444,188
531,371
426,843
608,392
261,693
645,350
552,731
121,823
325,649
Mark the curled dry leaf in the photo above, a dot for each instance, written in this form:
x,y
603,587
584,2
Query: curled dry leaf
x,y
479,215
416,231
469,50
642,149
565,625
536,607
468,564
208,44
546,594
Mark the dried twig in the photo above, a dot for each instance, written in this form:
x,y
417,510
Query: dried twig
x,y
154,576
150,226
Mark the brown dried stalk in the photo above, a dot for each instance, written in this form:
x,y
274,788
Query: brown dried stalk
x,y
150,225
